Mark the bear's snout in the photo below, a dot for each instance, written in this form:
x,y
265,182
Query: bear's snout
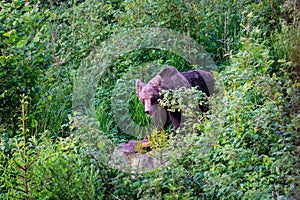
x,y
147,106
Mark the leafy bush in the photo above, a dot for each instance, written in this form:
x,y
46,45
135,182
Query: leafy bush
x,y
22,59
253,130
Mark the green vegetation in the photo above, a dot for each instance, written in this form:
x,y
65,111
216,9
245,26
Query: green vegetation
x,y
246,147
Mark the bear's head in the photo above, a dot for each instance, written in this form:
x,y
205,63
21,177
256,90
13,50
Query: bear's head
x,y
148,94
168,78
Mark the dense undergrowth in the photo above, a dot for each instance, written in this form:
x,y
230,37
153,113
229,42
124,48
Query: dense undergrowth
x,y
248,146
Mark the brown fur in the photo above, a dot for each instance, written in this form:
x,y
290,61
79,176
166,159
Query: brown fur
x,y
170,79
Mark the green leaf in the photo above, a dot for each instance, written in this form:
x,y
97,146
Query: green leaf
x,y
34,123
21,44
9,33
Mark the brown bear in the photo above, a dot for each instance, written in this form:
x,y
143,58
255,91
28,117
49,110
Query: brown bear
x,y
169,78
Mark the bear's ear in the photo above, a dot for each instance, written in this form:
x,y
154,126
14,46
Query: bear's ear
x,y
139,86
158,85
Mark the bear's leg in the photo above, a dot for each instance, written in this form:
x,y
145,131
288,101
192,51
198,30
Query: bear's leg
x,y
175,118
160,116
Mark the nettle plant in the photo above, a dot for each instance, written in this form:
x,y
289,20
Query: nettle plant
x,y
253,155
188,102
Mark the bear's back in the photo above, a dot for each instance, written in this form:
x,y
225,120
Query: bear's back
x,y
196,79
